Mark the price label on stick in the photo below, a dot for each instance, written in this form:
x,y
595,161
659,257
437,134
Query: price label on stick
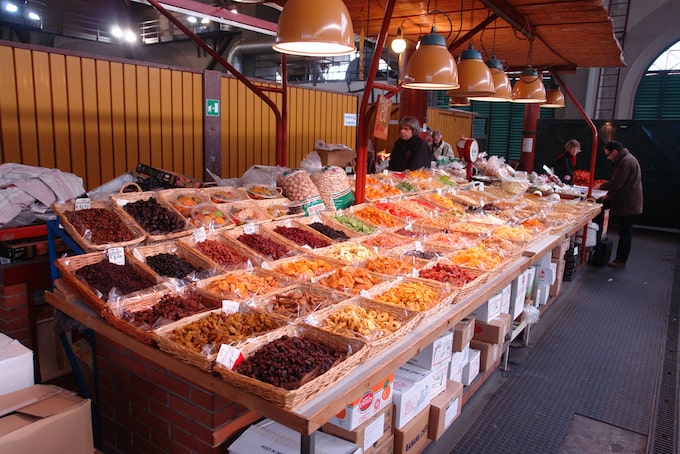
x,y
229,356
116,255
250,228
83,203
200,235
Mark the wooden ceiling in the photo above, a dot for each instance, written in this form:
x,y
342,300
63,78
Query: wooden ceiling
x,y
567,34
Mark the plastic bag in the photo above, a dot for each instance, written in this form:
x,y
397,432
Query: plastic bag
x,y
311,163
531,314
334,187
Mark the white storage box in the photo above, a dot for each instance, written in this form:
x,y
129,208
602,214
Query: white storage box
x,y
412,386
436,354
16,365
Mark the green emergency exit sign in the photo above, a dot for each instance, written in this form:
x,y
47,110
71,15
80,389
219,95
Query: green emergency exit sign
x,y
212,107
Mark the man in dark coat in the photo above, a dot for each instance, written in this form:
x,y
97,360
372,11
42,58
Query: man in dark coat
x,y
410,151
624,196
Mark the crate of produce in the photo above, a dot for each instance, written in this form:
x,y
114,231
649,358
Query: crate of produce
x,y
223,194
138,316
349,252
197,339
262,243
412,294
421,251
333,231
307,361
97,280
246,212
451,240
376,217
394,266
282,208
297,235
155,216
184,200
98,227
464,280
349,222
384,241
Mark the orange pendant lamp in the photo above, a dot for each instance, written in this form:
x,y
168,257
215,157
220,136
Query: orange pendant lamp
x,y
315,28
501,83
457,101
554,98
431,67
529,89
474,76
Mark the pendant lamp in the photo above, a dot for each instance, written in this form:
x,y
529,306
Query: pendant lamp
x,y
554,98
315,28
474,76
457,101
399,43
431,67
501,83
529,88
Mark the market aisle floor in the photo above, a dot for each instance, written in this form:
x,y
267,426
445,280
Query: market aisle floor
x,y
595,375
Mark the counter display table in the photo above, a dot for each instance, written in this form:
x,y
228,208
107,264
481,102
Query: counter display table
x,y
311,415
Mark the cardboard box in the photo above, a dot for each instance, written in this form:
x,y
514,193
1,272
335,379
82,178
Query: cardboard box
x,y
471,369
505,299
16,365
458,360
518,292
340,158
382,446
542,294
560,251
435,354
413,438
444,409
462,333
412,386
365,407
45,418
492,332
489,354
439,378
489,310
368,433
267,437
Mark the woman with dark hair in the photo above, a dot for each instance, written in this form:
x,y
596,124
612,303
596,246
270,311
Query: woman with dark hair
x,y
566,161
410,151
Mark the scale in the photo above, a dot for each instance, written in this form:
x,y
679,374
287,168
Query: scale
x,y
468,149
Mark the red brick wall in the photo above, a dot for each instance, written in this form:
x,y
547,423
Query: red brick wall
x,y
14,313
145,409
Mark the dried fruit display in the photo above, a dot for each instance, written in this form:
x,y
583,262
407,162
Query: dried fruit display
x,y
105,276
168,308
172,265
448,273
376,217
265,246
302,237
222,254
330,232
303,268
362,321
415,296
103,225
290,362
351,279
241,286
154,217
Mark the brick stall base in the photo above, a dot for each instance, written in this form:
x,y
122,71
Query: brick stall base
x,y
144,408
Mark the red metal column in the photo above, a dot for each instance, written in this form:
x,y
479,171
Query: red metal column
x,y
527,155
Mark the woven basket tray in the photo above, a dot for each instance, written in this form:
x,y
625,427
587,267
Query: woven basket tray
x,y
119,200
234,234
204,359
421,251
60,209
382,219
464,290
351,280
452,240
329,219
398,322
68,266
348,253
236,285
114,314
307,220
304,267
251,259
298,302
202,265
289,399
271,227
443,295
387,266
385,241
247,211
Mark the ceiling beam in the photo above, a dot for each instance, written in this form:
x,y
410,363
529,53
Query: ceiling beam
x,y
510,15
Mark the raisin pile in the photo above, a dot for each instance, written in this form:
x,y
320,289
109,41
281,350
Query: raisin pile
x,y
170,265
104,276
333,234
154,217
169,307
104,225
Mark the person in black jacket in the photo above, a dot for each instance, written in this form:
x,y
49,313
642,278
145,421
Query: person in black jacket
x,y
410,151
565,162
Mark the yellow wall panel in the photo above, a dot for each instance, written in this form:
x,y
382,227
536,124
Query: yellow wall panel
x,y
91,126
10,145
143,114
130,109
43,109
26,105
105,120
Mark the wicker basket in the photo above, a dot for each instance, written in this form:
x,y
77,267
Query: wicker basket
x,y
386,222
246,212
394,266
120,200
464,290
202,265
385,241
302,268
239,285
68,266
443,295
204,359
251,259
279,209
114,314
421,251
289,399
307,220
60,209
329,219
357,280
298,302
348,253
402,321
234,234
271,227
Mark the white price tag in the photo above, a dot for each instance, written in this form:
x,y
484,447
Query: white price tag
x,y
409,224
200,235
364,293
414,272
229,356
386,172
116,255
250,228
418,246
440,191
230,306
83,203
316,219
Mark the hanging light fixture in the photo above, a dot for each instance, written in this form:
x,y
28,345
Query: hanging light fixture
x,y
554,98
501,83
431,67
529,89
474,76
315,28
399,43
457,101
